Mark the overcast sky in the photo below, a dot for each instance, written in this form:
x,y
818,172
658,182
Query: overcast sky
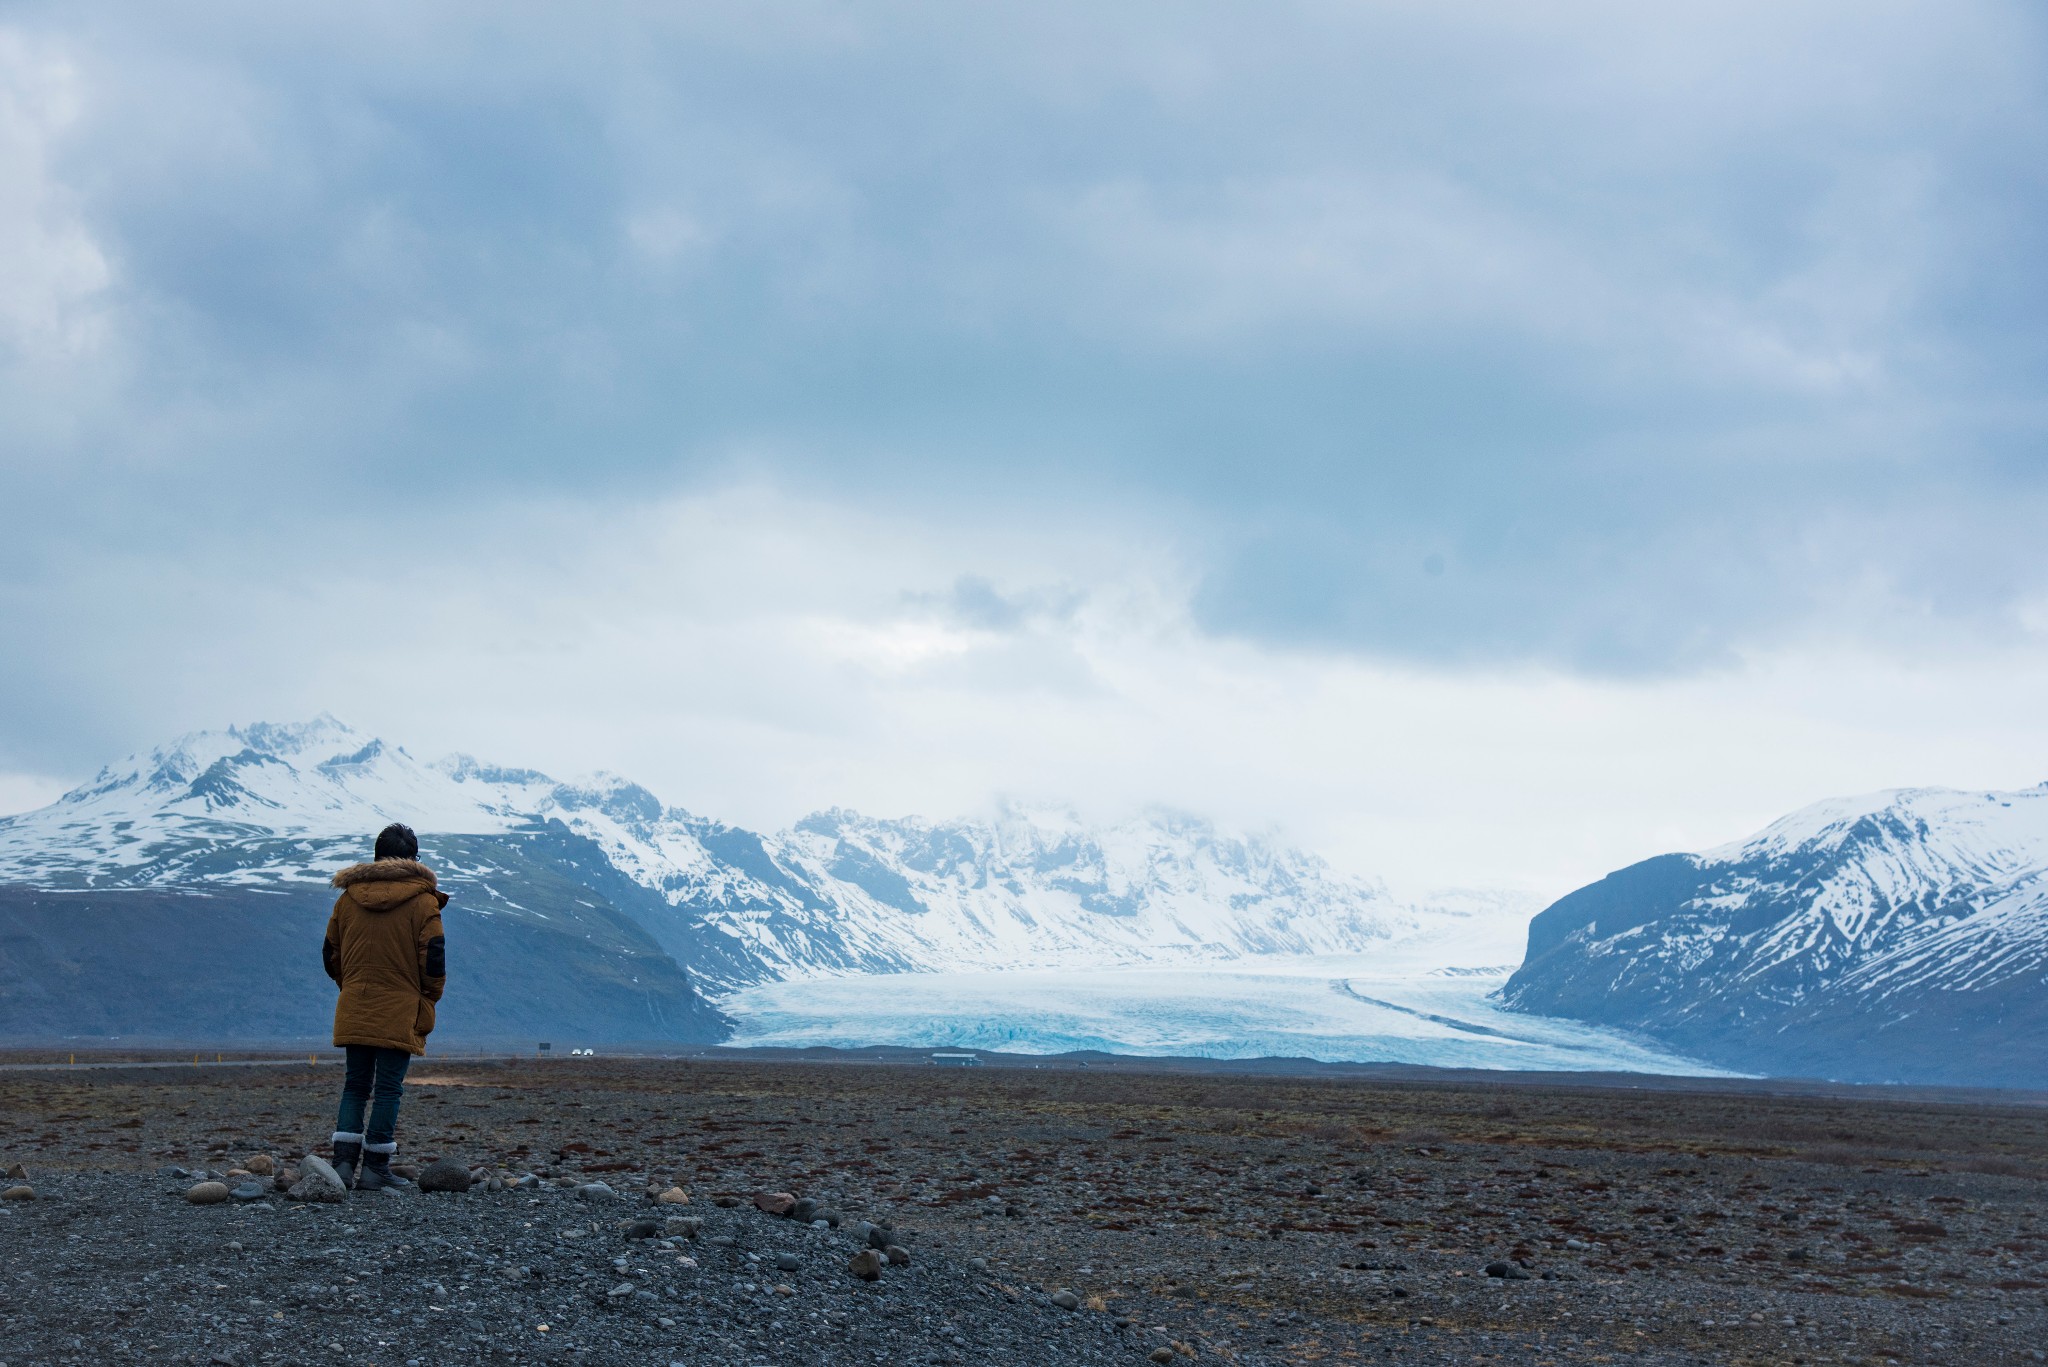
x,y
1490,444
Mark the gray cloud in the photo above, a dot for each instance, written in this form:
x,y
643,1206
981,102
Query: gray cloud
x,y
1669,337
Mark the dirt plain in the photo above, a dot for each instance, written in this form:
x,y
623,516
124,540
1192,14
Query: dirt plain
x,y
1242,1216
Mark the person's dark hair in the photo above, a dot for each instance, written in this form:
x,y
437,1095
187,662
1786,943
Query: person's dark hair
x,y
397,841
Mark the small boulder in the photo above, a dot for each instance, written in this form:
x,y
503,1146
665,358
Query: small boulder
x,y
725,1202
866,1265
318,1181
262,1164
17,1173
445,1174
897,1255
208,1194
776,1203
1066,1300
596,1191
879,1236
674,1196
787,1262
1507,1271
19,1192
248,1191
806,1210
643,1229
1160,1355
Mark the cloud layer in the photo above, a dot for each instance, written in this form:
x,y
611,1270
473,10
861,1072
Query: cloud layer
x,y
1600,346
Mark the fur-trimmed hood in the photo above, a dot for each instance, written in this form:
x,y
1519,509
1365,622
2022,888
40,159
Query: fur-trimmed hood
x,y
387,883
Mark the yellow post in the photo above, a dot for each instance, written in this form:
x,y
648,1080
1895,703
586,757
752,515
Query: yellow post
x,y
216,1058
74,1060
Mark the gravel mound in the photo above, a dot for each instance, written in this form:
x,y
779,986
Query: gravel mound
x,y
101,1268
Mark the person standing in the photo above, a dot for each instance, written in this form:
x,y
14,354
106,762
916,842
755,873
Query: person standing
x,y
386,952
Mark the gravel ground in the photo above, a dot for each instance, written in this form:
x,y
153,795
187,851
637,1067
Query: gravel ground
x,y
1243,1219
117,1269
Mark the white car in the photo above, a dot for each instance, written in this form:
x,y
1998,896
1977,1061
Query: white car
x,y
583,1053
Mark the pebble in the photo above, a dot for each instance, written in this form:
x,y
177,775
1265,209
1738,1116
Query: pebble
x,y
596,1191
445,1174
866,1265
208,1193
262,1164
787,1262
674,1196
1066,1300
18,1193
897,1255
806,1210
1160,1355
248,1191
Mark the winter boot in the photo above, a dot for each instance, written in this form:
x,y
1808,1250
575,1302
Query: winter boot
x,y
377,1174
348,1151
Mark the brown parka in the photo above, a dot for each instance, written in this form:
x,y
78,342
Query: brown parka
x,y
385,949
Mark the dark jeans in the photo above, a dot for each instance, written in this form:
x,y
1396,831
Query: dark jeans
x,y
375,1079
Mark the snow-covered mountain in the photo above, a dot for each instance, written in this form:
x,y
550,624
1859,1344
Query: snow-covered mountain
x,y
1900,935
266,808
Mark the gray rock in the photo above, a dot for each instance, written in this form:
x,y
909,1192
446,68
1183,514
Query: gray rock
x,y
897,1255
1066,1300
596,1191
445,1174
866,1265
248,1191
643,1229
877,1236
685,1225
1506,1271
806,1210
208,1194
788,1262
318,1181
527,1182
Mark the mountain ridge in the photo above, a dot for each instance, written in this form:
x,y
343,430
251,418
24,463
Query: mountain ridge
x,y
1900,935
270,807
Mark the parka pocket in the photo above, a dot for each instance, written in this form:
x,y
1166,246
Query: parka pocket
x,y
423,1020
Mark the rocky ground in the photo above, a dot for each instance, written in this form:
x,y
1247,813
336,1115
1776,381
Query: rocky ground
x,y
1048,1215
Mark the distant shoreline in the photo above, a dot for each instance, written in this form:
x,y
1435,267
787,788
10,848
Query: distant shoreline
x,y
19,1057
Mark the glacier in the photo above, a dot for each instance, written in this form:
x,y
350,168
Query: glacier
x,y
1415,1005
